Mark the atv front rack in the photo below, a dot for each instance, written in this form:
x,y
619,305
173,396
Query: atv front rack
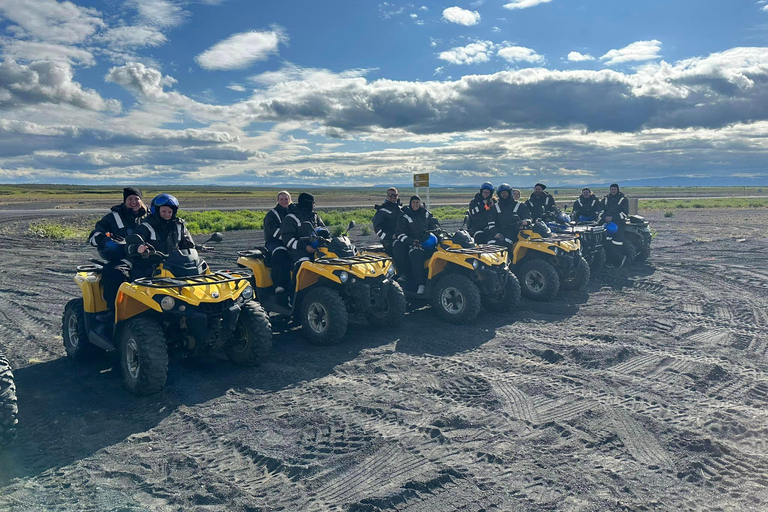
x,y
218,277
478,250
352,260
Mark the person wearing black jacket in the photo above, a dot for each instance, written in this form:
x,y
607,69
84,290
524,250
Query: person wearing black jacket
x,y
162,230
480,214
298,226
615,207
385,219
540,202
587,206
280,261
509,216
109,236
413,228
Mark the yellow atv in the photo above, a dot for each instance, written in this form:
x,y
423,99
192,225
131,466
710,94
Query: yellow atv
x,y
183,306
544,262
463,276
325,290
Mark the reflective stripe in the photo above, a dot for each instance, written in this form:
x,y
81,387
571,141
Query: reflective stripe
x,y
509,241
92,241
477,233
277,232
514,210
379,232
383,235
546,201
408,218
617,243
279,248
178,230
127,262
119,221
296,244
620,200
580,203
290,242
498,208
152,234
416,249
298,222
305,258
622,215
385,210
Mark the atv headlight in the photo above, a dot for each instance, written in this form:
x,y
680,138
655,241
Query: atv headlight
x,y
247,293
390,271
343,276
167,303
475,264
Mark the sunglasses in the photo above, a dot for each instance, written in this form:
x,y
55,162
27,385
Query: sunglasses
x,y
392,195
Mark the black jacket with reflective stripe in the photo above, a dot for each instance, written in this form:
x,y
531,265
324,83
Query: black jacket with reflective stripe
x,y
616,206
385,220
273,222
507,215
415,225
299,224
480,214
588,207
539,205
164,235
120,221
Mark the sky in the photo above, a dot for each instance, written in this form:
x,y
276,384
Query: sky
x,y
358,93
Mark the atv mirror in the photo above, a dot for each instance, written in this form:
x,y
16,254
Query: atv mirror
x,y
215,237
351,225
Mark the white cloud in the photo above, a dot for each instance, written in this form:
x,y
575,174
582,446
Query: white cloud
x,y
51,21
34,51
579,57
160,13
637,51
46,82
139,36
236,87
472,53
140,79
520,54
524,4
461,16
241,50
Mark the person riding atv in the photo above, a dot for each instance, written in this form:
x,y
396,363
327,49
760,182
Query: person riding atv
x,y
176,303
480,222
335,281
9,409
540,202
615,211
411,250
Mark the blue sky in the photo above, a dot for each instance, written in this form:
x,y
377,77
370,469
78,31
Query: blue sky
x,y
351,92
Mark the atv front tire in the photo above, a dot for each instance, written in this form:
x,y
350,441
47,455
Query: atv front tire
x,y
630,251
456,299
74,332
598,259
251,340
8,408
324,316
393,311
581,279
507,299
143,356
643,252
538,280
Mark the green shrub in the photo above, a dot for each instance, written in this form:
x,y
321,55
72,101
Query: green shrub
x,y
56,230
365,230
337,230
669,214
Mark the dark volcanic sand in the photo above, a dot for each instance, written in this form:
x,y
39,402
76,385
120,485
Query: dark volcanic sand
x,y
647,393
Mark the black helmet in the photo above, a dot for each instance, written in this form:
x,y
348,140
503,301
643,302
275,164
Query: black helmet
x,y
540,228
463,238
487,186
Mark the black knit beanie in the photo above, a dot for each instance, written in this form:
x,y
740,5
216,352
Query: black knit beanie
x,y
131,191
306,201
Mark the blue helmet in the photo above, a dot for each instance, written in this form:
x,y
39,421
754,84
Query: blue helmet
x,y
487,186
430,242
503,187
163,200
611,228
563,218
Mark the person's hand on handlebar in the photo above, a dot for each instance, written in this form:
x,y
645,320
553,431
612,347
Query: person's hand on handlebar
x,y
142,248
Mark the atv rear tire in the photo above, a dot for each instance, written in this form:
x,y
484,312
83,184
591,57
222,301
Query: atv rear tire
x,y
143,356
324,316
74,332
456,299
581,279
630,251
393,311
8,408
643,252
538,280
507,300
598,259
251,340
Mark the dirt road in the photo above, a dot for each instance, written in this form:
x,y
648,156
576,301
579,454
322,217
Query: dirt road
x,y
650,392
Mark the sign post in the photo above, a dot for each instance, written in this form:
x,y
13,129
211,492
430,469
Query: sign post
x,y
422,180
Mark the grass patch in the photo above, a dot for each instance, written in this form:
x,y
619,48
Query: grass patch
x,y
58,230
730,202
669,213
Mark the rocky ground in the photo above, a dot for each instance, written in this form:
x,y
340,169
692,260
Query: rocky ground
x,y
649,392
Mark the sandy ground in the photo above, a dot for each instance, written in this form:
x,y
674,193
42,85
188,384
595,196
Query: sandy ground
x,y
649,392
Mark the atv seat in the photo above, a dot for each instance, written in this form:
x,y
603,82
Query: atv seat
x,y
260,253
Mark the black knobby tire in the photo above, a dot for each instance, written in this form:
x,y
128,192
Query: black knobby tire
x,y
456,299
598,259
391,315
9,410
643,250
74,332
581,279
324,316
630,251
251,340
538,280
143,356
509,298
